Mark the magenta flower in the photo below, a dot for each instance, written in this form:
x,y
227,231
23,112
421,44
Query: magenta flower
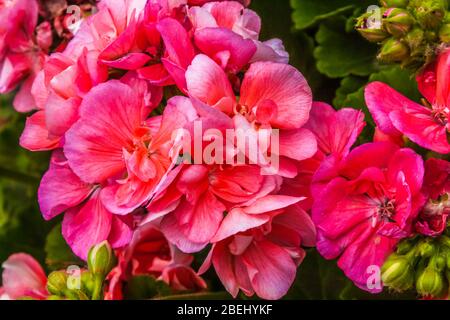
x,y
364,204
428,125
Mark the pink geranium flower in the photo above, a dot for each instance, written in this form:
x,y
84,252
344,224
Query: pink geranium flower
x,y
116,156
436,187
229,33
258,248
365,204
196,197
428,125
150,254
23,277
336,132
272,96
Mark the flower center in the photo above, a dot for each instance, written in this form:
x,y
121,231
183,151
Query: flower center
x,y
386,210
440,115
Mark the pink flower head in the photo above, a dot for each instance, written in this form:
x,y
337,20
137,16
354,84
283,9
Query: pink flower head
x,y
428,125
149,253
336,132
258,248
272,96
196,197
364,205
436,187
23,277
228,33
23,47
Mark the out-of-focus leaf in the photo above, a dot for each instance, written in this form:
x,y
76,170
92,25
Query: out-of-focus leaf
x,y
340,54
348,85
58,253
308,12
146,287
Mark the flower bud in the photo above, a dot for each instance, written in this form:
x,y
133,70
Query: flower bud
x,y
397,273
426,249
430,283
393,50
373,35
100,259
394,3
429,13
415,39
57,283
404,247
397,21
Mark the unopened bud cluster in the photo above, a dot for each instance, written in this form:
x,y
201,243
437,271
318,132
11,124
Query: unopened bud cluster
x,y
420,263
87,284
409,31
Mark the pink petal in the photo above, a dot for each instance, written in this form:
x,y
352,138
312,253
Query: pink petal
x,y
282,84
381,100
417,123
94,145
299,144
35,136
270,268
216,41
24,277
24,101
60,190
411,164
86,225
207,82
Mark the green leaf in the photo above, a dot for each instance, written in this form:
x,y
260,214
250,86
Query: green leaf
x,y
59,254
340,54
348,85
308,12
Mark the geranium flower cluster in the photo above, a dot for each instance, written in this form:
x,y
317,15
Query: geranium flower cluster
x,y
175,129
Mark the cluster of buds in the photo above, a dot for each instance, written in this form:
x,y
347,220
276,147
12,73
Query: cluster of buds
x,y
409,31
86,284
420,263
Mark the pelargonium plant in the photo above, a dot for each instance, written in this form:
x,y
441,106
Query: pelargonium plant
x,y
187,155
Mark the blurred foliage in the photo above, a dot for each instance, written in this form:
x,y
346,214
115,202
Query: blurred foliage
x,y
338,63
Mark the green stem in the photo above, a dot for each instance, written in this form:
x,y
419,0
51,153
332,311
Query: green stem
x,y
98,287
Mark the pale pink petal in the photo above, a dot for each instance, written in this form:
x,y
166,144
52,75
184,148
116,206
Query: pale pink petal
x,y
299,144
24,277
35,136
285,86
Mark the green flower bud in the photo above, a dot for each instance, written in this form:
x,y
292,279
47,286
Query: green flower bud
x,y
415,39
404,247
53,297
394,3
397,21
370,28
444,33
100,259
430,283
57,283
426,249
373,35
393,50
429,13
397,273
